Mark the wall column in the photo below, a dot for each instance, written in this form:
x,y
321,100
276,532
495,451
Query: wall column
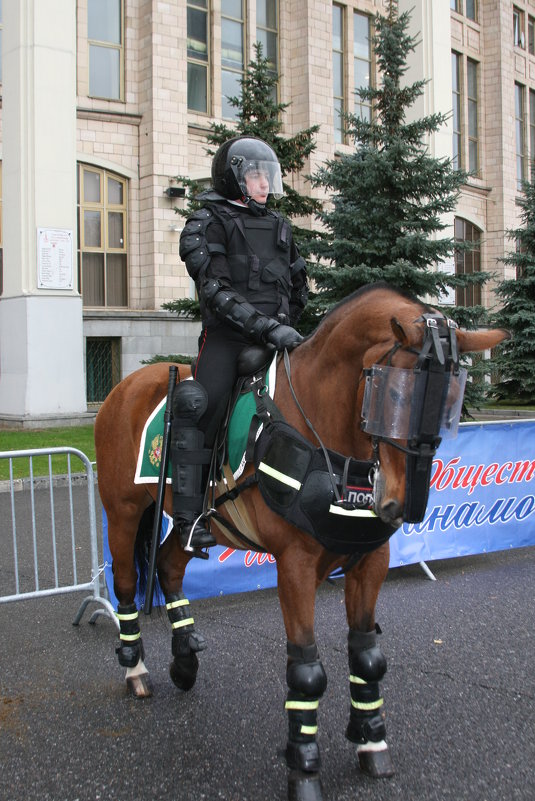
x,y
41,339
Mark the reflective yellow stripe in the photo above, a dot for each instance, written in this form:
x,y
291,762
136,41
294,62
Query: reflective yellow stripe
x,y
309,729
179,623
174,604
131,616
369,705
284,479
130,637
302,704
339,510
357,680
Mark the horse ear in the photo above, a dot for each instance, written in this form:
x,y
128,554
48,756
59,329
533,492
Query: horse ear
x,y
399,331
481,339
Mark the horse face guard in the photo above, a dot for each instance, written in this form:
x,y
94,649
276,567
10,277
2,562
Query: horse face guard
x,y
419,406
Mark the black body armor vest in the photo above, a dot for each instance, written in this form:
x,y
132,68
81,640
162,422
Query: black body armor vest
x,y
258,254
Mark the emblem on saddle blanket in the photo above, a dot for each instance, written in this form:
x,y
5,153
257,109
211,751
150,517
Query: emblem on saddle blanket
x,y
150,447
328,495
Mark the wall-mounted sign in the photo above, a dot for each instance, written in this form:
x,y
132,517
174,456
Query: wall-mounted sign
x,y
54,258
447,298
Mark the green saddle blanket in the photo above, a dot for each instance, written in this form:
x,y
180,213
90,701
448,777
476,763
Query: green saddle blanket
x,y
150,448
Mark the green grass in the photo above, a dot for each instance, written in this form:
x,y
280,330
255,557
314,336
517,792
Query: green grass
x,y
80,437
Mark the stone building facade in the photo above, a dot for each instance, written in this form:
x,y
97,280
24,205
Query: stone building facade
x,y
149,76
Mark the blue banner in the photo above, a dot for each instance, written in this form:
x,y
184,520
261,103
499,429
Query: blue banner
x,y
482,496
482,499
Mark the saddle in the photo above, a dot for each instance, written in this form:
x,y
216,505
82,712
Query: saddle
x,y
240,422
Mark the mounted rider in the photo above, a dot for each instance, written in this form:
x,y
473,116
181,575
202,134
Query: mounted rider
x,y
252,287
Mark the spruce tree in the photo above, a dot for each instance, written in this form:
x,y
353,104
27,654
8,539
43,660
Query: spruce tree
x,y
515,359
258,114
389,196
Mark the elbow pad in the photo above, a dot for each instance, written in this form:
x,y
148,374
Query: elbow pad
x,y
230,307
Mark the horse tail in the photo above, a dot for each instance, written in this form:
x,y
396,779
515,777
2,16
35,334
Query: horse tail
x,y
142,546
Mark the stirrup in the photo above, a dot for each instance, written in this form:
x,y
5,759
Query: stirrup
x,y
195,537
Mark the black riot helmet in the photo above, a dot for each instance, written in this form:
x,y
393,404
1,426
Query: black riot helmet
x,y
236,158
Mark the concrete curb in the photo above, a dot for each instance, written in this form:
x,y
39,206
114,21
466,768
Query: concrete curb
x,y
43,482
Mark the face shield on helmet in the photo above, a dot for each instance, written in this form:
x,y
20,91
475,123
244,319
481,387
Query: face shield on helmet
x,y
241,157
261,172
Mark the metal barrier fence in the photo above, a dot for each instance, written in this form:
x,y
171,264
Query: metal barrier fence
x,y
47,559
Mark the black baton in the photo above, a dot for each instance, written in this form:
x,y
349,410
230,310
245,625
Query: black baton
x,y
158,512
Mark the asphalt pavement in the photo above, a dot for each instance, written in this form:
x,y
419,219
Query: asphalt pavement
x,y
459,696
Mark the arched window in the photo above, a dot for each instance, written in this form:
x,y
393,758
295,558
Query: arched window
x,y
102,237
467,262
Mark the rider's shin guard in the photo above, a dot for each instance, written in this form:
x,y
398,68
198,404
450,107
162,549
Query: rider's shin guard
x,y
189,459
306,681
130,649
367,666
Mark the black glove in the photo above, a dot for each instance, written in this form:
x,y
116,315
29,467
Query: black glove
x,y
283,336
230,306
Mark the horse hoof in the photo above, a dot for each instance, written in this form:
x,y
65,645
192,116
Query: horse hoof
x,y
139,686
183,671
376,763
304,786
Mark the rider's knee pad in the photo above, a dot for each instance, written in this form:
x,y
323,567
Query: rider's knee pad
x,y
190,401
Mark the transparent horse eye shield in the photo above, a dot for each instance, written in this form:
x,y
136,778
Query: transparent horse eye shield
x,y
392,405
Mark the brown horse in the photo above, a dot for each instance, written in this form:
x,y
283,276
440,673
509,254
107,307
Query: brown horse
x,y
375,326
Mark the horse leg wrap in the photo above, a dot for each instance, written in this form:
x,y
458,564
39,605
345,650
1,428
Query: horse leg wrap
x,y
306,681
185,638
367,666
130,649
186,642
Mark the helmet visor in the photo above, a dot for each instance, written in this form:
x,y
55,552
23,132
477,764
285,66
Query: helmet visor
x,y
254,172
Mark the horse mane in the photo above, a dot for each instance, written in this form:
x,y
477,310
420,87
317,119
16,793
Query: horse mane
x,y
368,289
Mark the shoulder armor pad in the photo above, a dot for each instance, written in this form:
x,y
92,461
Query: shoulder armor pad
x,y
193,248
201,214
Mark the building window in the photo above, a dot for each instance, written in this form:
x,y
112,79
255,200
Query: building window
x,y
467,262
455,5
362,62
520,135
106,56
456,104
102,258
471,10
338,73
198,55
518,27
232,53
267,33
473,136
102,367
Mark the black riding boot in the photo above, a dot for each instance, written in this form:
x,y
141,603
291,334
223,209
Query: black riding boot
x,y
189,460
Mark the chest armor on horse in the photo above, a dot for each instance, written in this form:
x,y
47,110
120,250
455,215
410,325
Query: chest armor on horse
x,y
322,492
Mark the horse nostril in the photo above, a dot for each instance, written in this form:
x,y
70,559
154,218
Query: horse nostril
x,y
392,510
